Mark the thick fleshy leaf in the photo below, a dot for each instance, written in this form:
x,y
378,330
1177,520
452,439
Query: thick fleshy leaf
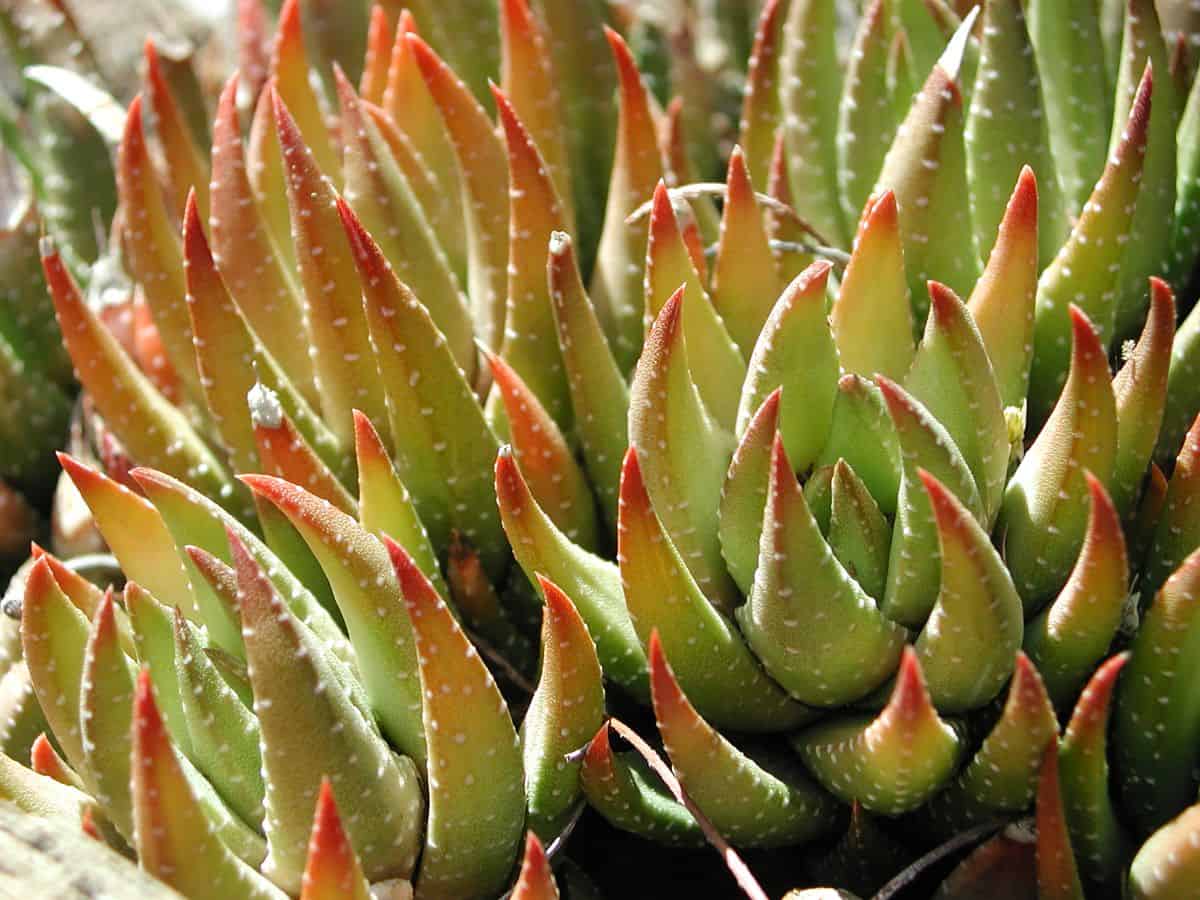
x,y
476,798
136,534
546,461
859,535
310,729
975,628
745,284
809,87
151,244
1045,505
1002,301
44,760
381,195
410,116
1102,845
795,351
1057,873
1072,634
499,625
152,633
53,638
1148,246
814,629
527,77
1187,188
105,704
251,265
284,453
748,803
871,318
223,734
481,160
196,520
863,435
587,80
669,266
599,395
41,796
1166,868
358,570
718,670
1157,714
1066,43
186,163
290,68
1183,389
1085,271
373,81
1002,775
1140,390
866,123
682,450
332,871
760,100
175,842
1178,530
536,880
926,168
1007,131
952,376
592,583
566,710
889,763
265,170
616,286
744,493
231,359
153,431
444,448
384,504
913,568
86,596
343,361
625,793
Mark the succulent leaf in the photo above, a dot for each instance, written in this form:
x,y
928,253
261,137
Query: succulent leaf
x,y
976,625
616,286
795,350
1140,390
913,570
718,669
1085,271
746,802
1166,866
669,266
863,435
599,394
858,534
1156,717
175,842
871,318
1178,530
1002,301
1057,872
953,377
536,880
744,493
682,449
444,446
310,729
631,798
809,88
812,627
1072,634
1044,514
476,797
481,159
566,710
358,570
592,583
332,871
1101,842
761,111
890,763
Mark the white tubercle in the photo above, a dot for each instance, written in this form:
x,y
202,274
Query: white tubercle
x,y
265,409
560,242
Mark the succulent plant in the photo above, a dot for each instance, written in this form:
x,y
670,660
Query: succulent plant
x,y
449,431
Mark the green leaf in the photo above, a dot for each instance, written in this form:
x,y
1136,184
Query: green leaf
x,y
859,535
476,798
744,494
